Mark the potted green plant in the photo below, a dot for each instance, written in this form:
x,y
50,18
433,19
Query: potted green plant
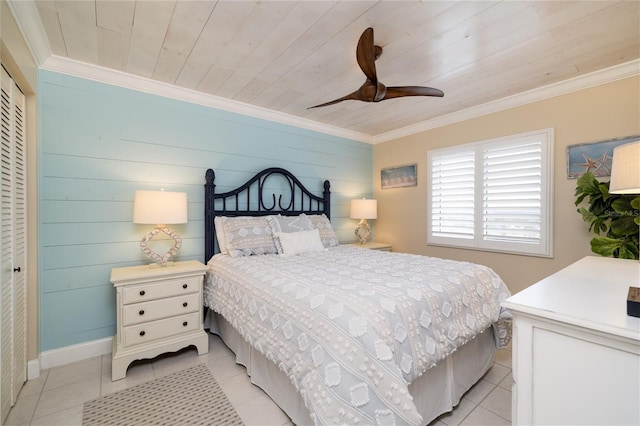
x,y
614,218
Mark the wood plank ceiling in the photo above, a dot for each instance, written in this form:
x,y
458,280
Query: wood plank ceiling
x,y
288,55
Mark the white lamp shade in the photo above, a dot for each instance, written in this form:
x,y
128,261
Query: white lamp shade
x,y
364,209
625,169
160,207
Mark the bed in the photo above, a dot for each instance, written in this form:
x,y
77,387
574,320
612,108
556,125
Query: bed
x,y
335,333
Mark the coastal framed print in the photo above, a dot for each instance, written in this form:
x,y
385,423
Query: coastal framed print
x,y
594,157
397,177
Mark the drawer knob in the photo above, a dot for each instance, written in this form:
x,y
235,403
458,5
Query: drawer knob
x,y
141,312
142,333
184,324
184,286
184,305
142,292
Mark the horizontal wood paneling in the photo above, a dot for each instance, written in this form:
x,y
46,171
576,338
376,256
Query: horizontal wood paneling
x,y
100,143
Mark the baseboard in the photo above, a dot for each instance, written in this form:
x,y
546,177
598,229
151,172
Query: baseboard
x,y
68,355
33,369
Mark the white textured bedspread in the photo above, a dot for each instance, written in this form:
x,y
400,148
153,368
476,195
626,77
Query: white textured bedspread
x,y
352,327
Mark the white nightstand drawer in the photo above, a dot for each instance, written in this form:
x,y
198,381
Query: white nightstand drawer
x,y
158,310
160,289
143,333
162,308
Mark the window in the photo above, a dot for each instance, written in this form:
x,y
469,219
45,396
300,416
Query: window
x,y
493,195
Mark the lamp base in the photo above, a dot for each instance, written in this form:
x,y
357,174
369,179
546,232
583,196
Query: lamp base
x,y
165,259
363,231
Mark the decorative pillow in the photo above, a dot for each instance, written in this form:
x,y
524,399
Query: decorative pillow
x,y
294,243
322,224
287,224
246,236
218,223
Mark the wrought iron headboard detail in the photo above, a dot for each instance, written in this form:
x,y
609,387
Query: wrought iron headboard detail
x,y
234,203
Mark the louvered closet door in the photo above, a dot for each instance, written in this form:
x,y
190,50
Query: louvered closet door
x,y
12,244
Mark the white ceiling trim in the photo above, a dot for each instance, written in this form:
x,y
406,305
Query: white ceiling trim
x,y
28,19
607,75
143,84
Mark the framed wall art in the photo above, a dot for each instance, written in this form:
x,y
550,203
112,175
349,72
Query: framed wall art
x,y
594,157
397,177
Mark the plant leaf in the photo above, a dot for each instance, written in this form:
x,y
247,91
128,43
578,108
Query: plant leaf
x,y
628,251
605,246
587,216
588,184
604,188
623,226
621,205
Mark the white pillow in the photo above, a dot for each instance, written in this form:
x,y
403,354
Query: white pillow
x,y
287,224
218,223
294,243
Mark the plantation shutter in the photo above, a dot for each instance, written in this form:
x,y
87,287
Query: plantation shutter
x,y
493,195
512,193
452,195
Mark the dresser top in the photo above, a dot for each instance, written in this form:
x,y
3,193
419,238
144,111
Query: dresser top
x,y
590,293
173,270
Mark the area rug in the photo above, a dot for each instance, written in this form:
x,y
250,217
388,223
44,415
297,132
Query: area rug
x,y
189,397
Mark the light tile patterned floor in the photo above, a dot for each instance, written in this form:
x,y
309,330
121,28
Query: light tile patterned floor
x,y
57,396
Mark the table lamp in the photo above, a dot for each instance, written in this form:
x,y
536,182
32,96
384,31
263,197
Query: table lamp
x,y
364,209
625,179
625,169
160,208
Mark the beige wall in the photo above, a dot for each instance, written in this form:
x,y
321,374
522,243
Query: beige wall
x,y
17,59
603,112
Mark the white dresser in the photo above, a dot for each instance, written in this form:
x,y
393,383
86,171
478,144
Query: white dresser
x,y
576,353
159,309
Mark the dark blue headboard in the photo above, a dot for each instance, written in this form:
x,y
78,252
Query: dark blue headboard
x,y
252,199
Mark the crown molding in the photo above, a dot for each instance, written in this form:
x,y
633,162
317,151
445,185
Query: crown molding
x,y
147,85
607,75
143,84
28,19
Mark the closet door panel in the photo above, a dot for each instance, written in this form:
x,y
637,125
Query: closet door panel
x,y
19,247
12,243
6,244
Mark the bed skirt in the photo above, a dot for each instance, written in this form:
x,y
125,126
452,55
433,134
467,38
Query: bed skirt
x,y
436,392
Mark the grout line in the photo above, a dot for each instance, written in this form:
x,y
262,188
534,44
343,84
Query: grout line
x,y
478,404
33,414
491,411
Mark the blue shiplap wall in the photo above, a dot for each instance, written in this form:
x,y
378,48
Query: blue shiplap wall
x,y
100,143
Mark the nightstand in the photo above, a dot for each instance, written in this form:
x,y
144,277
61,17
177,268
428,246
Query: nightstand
x,y
371,245
159,309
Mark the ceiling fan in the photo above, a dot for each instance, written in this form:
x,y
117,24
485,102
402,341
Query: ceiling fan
x,y
373,90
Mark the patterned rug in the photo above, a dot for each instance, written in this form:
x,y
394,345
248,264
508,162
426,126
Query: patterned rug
x,y
189,397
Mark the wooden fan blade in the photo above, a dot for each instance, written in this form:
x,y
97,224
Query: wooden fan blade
x,y
366,55
350,96
397,92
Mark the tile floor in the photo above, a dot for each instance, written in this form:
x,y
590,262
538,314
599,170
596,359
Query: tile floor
x,y
57,396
